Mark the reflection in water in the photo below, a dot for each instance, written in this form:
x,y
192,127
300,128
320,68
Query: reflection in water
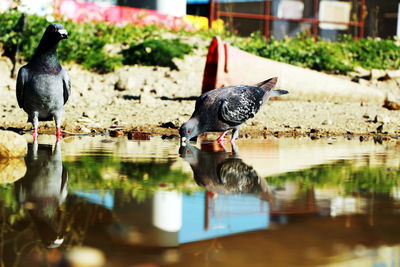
x,y
148,210
236,200
43,189
223,172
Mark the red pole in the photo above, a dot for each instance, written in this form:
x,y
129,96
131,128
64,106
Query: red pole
x,y
361,20
315,21
206,215
211,16
267,18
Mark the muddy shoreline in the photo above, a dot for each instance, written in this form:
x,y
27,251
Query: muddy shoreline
x,y
156,100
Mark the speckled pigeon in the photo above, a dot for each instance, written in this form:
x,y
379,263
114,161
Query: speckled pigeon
x,y
226,108
223,172
43,85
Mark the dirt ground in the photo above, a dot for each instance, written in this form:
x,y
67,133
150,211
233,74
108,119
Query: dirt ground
x,y
158,100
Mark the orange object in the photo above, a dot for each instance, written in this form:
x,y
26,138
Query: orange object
x,y
227,65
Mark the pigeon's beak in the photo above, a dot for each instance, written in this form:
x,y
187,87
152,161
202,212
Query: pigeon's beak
x,y
63,33
183,141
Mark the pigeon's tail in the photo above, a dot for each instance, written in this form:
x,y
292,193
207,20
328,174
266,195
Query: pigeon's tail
x,y
278,93
269,84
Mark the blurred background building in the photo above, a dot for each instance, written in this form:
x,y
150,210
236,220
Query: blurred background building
x,y
326,18
278,18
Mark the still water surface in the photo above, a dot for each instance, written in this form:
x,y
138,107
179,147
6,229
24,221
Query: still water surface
x,y
275,202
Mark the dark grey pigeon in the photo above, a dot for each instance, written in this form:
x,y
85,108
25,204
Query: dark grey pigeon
x,y
223,109
43,85
45,187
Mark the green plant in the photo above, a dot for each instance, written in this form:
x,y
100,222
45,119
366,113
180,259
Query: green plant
x,y
156,52
86,43
149,46
337,57
345,175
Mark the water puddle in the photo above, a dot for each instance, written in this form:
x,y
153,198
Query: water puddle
x,y
95,201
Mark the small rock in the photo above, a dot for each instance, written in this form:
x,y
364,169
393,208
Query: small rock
x,y
376,74
125,82
390,105
11,169
384,78
12,145
366,116
169,124
327,122
136,135
116,133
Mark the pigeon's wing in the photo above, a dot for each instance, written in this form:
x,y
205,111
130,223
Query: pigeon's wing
x,y
200,101
238,107
22,80
66,85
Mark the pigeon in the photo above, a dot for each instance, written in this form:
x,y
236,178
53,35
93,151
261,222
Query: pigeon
x,y
45,188
43,85
224,173
223,109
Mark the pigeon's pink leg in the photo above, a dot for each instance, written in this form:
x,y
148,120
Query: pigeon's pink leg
x,y
235,135
58,133
35,134
35,124
57,120
221,137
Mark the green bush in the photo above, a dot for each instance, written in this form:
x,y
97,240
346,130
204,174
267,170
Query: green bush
x,y
156,52
374,53
85,44
321,55
28,40
146,46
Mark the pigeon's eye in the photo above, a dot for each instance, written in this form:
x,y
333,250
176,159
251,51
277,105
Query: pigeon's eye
x,y
189,131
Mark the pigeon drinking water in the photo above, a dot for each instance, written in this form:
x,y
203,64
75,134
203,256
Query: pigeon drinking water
x,y
223,172
226,108
43,85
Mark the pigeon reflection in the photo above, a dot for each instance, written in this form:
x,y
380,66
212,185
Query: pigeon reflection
x,y
224,172
42,191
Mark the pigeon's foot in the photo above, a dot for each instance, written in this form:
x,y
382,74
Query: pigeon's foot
x,y
233,141
221,144
35,134
58,133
